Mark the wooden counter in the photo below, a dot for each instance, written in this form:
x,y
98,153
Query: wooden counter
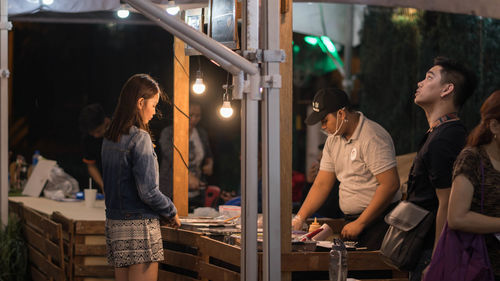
x,y
82,238
189,255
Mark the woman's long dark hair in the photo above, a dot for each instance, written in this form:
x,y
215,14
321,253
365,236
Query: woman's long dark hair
x,y
126,113
489,110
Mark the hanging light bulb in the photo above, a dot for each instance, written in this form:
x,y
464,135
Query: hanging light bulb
x,y
226,110
123,13
199,86
172,8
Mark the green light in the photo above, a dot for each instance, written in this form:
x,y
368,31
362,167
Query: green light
x,y
296,48
312,40
329,44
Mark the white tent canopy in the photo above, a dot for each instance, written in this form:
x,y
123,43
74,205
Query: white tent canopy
x,y
16,7
328,19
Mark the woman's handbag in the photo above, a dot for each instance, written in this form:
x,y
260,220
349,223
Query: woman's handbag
x,y
403,241
461,256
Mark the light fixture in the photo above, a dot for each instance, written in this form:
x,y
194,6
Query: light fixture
x,y
199,86
226,110
172,8
48,2
123,13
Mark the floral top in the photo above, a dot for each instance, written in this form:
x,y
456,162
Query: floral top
x,y
468,164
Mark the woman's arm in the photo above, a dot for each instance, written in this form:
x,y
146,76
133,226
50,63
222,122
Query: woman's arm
x,y
461,217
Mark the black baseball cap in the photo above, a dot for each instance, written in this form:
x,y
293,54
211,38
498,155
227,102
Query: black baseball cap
x,y
327,101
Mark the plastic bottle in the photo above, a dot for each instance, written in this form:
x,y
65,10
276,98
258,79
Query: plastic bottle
x,y
338,261
36,156
315,225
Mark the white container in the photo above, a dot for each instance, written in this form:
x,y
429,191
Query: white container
x,y
229,211
90,195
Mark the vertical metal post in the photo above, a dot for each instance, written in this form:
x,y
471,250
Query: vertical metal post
x,y
249,149
348,50
271,194
4,114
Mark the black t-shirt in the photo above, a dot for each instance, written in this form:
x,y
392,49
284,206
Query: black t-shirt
x,y
92,151
433,166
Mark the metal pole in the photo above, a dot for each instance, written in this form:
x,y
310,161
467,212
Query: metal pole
x,y
212,49
348,50
271,194
249,149
4,112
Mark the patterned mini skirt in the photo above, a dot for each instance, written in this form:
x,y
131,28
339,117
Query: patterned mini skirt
x,y
131,242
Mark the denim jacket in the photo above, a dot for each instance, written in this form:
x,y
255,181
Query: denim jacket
x,y
130,175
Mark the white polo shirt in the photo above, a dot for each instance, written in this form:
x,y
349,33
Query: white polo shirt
x,y
355,162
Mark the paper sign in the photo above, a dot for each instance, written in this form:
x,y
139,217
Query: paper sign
x,y
38,177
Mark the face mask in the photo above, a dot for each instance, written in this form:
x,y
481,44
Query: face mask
x,y
337,127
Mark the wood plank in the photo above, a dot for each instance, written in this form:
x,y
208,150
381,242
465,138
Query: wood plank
x,y
55,252
212,272
89,227
94,270
180,236
319,261
179,259
37,275
90,250
181,127
171,276
66,224
33,219
48,268
286,118
52,229
16,208
34,239
366,260
219,250
305,261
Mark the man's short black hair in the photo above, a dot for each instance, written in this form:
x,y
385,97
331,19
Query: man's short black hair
x,y
91,117
463,80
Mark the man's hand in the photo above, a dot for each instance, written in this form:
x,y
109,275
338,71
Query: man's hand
x,y
297,223
352,230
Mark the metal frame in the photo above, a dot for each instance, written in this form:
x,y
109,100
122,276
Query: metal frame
x,y
249,146
212,49
4,112
271,181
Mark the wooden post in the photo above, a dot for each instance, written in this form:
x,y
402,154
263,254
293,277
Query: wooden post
x,y
286,70
181,128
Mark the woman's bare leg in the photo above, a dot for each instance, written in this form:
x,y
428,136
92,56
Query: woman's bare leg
x,y
121,273
143,272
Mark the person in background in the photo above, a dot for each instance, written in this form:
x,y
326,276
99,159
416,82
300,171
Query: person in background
x,y
200,158
361,155
134,203
93,123
330,208
477,164
441,94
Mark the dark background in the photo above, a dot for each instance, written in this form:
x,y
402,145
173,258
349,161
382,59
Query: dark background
x,y
58,68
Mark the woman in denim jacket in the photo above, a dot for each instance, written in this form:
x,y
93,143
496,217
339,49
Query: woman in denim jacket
x,y
134,203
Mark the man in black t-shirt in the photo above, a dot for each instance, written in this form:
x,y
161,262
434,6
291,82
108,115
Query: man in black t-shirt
x,y
441,94
93,123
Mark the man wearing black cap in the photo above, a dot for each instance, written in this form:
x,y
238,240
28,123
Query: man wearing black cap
x,y
361,155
